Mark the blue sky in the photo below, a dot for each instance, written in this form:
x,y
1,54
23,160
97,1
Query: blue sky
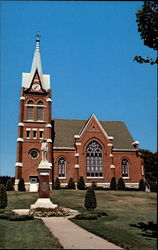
x,y
88,49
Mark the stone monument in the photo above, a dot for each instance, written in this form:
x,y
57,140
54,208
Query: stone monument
x,y
43,176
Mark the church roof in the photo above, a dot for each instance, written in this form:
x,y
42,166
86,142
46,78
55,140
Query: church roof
x,y
65,129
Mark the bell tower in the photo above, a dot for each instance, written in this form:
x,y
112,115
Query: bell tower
x,y
34,122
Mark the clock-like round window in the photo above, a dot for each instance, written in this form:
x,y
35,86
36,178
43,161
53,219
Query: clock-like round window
x,y
34,153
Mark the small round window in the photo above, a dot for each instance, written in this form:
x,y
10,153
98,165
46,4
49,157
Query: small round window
x,y
34,153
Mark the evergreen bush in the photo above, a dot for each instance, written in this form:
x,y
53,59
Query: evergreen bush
x,y
113,185
142,185
9,185
81,183
57,183
71,183
21,185
3,196
121,184
90,199
94,185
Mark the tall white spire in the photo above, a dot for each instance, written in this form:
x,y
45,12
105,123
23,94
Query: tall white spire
x,y
36,65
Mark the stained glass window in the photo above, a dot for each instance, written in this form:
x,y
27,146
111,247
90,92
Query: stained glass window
x,y
61,167
94,161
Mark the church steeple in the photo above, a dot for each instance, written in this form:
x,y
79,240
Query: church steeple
x,y
36,68
36,63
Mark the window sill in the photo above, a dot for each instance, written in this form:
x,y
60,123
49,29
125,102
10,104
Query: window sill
x,y
126,178
62,178
95,177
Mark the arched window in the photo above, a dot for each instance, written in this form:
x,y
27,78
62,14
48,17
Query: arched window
x,y
125,167
61,167
30,111
94,160
40,111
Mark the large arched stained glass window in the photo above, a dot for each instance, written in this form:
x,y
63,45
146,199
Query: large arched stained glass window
x,y
40,111
94,161
61,167
125,168
30,111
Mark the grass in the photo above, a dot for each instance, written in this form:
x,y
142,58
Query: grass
x,y
125,210
30,234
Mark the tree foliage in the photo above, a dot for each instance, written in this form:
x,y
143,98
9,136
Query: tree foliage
x,y
81,183
21,185
57,183
71,184
90,199
141,185
9,185
121,184
150,162
3,196
113,185
147,21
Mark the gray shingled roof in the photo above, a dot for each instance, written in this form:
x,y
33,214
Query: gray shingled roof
x,y
65,129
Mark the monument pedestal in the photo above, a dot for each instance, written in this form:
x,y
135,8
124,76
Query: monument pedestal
x,y
43,191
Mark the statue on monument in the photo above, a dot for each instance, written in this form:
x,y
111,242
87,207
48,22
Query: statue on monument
x,y
44,149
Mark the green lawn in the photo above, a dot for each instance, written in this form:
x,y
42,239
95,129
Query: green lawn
x,y
125,210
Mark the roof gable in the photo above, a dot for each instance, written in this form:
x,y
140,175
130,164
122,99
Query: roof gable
x,y
65,129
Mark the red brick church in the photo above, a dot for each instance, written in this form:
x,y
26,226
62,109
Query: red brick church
x,y
96,150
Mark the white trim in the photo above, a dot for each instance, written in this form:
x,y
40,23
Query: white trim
x,y
20,124
124,149
126,178
49,140
135,143
34,129
63,148
112,166
111,155
95,177
77,166
62,178
49,100
48,125
22,98
18,164
77,154
41,129
43,173
110,144
28,129
78,143
102,129
20,139
76,136
111,137
131,183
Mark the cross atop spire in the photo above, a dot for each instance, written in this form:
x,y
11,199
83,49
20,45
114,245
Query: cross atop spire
x,y
38,36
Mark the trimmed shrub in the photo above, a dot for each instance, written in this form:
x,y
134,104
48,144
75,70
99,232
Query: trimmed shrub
x,y
141,185
94,185
21,185
81,183
57,183
90,199
3,196
9,185
71,184
121,184
113,185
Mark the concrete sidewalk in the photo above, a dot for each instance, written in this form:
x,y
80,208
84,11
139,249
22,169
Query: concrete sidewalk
x,y
71,236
